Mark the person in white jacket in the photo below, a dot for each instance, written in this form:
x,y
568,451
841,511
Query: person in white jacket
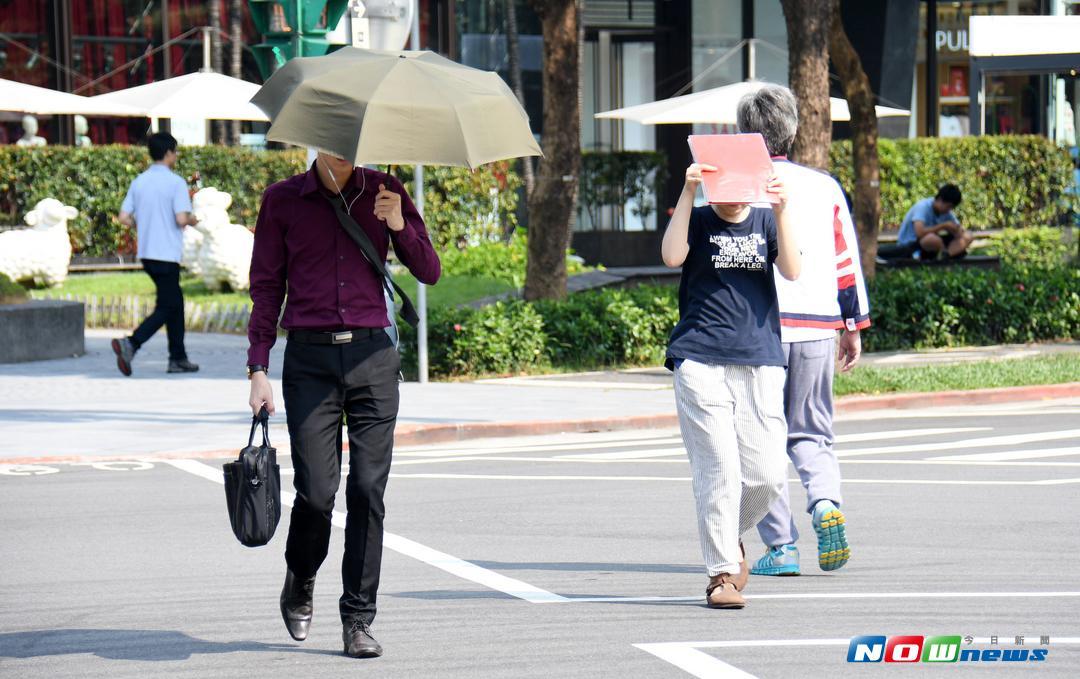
x,y
829,296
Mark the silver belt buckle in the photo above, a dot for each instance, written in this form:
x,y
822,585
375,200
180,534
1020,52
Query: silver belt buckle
x,y
341,337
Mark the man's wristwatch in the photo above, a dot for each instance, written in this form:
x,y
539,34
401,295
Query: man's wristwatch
x,y
252,369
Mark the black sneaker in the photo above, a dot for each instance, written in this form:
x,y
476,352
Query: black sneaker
x,y
124,351
358,640
183,366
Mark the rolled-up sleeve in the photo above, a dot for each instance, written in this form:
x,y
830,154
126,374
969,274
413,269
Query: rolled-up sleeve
x,y
267,275
412,245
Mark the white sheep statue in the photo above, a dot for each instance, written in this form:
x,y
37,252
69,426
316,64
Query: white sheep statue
x,y
193,240
42,253
225,252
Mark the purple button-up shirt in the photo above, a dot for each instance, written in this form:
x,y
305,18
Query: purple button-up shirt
x,y
299,244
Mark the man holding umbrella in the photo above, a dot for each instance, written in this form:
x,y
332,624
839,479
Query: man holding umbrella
x,y
339,360
375,107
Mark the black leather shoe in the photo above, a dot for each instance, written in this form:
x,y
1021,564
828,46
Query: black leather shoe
x,y
296,604
183,366
358,640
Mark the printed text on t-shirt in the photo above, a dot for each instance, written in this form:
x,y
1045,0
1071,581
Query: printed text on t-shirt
x,y
739,252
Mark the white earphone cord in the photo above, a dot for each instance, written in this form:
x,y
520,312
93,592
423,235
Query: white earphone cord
x,y
348,206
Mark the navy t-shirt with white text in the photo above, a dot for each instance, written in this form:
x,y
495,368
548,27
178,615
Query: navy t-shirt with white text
x,y
728,313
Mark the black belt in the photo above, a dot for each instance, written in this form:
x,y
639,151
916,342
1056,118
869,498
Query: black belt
x,y
339,337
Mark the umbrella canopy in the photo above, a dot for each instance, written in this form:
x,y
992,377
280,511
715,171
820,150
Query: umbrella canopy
x,y
716,106
389,107
196,95
16,96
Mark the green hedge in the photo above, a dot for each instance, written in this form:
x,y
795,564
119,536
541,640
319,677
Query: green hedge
x,y
1035,296
502,260
463,207
1007,181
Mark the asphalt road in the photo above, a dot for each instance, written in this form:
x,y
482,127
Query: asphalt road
x,y
562,556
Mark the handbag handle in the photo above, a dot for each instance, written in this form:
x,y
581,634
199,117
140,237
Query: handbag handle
x,y
263,418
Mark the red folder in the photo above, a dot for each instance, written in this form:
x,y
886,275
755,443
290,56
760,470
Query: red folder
x,y
742,167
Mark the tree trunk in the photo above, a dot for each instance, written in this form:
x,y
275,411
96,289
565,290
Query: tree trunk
x,y
512,54
808,23
551,205
864,127
214,22
236,48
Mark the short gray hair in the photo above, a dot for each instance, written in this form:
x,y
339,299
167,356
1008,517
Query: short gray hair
x,y
773,112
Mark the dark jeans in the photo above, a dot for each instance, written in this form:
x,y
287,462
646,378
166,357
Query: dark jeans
x,y
908,251
319,383
168,308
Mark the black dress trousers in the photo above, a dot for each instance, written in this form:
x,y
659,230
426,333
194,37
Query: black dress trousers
x,y
320,382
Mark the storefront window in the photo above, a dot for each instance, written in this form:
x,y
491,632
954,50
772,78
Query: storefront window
x,y
1012,102
717,28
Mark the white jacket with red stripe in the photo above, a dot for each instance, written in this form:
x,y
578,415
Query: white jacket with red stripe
x,y
830,293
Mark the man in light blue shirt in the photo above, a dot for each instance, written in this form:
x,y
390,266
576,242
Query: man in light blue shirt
x,y
159,207
931,227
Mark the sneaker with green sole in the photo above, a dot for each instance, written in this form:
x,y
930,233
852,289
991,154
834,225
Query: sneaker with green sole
x,y
833,550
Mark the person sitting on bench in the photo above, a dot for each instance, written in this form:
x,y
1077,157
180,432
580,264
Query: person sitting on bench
x,y
930,227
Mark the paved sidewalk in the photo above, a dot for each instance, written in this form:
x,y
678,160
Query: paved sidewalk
x,y
83,407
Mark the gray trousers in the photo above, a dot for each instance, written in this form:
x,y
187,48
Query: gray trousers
x,y
808,406
732,423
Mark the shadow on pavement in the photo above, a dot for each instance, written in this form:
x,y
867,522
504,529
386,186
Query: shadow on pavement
x,y
128,644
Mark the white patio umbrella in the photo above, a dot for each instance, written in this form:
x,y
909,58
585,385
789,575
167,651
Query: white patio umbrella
x,y
17,96
716,106
196,95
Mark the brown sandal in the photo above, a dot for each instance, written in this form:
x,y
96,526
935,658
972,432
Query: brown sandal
x,y
717,594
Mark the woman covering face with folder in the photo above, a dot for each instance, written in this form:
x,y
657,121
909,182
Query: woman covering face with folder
x,y
725,351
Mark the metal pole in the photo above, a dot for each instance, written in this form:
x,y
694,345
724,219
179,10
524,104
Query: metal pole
x,y
931,69
418,200
750,70
166,54
207,65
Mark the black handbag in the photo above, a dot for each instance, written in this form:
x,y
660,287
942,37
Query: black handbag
x,y
253,488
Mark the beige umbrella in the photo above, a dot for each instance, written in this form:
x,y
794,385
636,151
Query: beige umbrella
x,y
17,96
386,107
717,106
196,95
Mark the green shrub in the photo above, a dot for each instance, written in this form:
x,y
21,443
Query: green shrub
x,y
1037,248
925,308
911,309
501,260
10,291
502,338
461,207
1008,181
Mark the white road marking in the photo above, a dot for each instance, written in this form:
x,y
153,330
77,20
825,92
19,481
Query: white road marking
x,y
1011,455
567,459
625,454
684,479
687,656
692,661
117,465
828,595
985,442
26,469
538,448
433,557
903,434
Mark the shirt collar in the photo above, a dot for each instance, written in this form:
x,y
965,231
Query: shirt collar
x,y
778,157
312,182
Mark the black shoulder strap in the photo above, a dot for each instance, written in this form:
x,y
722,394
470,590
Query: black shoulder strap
x,y
408,311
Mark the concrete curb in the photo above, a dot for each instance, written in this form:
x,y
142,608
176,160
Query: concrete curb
x,y
427,434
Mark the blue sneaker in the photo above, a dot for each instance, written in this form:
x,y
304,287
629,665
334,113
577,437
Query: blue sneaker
x,y
779,560
833,550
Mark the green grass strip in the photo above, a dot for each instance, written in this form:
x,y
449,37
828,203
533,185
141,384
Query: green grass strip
x,y
1018,372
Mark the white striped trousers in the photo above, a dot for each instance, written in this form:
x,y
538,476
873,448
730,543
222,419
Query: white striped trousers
x,y
732,422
